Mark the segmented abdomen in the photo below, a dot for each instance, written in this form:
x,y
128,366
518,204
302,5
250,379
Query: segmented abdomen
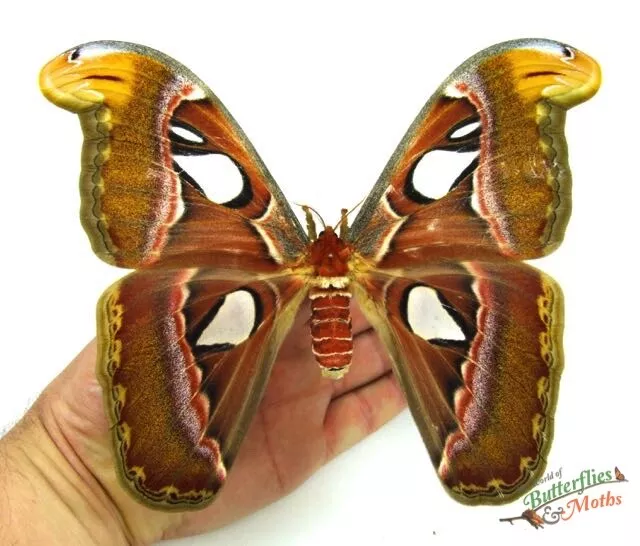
x,y
331,337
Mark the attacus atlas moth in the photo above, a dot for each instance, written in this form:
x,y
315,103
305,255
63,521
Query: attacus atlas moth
x,y
474,334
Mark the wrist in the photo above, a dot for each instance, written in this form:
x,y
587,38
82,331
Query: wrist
x,y
48,499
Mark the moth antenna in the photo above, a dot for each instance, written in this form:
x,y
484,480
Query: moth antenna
x,y
344,224
344,214
324,226
311,225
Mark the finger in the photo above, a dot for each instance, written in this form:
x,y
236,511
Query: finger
x,y
370,361
78,395
298,339
355,415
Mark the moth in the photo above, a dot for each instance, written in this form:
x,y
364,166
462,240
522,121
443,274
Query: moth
x,y
474,334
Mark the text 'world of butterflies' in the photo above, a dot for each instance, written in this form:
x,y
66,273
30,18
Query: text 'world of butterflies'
x,y
186,342
556,499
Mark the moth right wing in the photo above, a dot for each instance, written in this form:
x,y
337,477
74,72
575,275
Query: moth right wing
x,y
477,348
502,112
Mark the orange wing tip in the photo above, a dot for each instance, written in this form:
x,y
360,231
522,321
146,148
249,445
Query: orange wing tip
x,y
66,87
576,83
549,70
78,80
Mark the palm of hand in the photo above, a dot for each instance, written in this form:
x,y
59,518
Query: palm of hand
x,y
301,423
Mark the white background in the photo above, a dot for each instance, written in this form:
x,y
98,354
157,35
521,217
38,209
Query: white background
x,y
325,94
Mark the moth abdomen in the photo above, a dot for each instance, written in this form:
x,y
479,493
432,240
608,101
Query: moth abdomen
x,y
331,337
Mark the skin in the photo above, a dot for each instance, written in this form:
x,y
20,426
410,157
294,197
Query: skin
x,y
56,467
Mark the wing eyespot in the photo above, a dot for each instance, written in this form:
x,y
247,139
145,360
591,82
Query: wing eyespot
x,y
465,130
438,172
429,316
231,321
216,176
185,134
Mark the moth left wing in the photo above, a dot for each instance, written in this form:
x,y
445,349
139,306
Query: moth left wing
x,y
477,350
168,177
184,356
502,113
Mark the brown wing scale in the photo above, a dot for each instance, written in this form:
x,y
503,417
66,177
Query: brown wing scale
x,y
484,401
179,407
514,199
139,208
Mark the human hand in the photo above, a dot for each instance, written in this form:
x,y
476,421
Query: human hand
x,y
62,449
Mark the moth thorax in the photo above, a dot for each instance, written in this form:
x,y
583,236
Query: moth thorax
x,y
329,255
330,282
331,338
